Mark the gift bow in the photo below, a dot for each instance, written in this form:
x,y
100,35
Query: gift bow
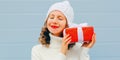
x,y
78,25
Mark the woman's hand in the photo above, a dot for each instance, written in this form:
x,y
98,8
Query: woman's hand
x,y
91,43
65,42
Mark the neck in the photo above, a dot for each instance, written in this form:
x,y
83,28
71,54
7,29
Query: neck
x,y
57,35
55,41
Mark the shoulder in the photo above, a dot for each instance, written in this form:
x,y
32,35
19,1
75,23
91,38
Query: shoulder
x,y
37,47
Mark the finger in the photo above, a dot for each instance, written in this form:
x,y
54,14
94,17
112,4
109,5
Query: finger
x,y
69,38
66,36
68,43
94,38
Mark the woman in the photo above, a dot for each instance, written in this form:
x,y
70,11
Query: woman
x,y
55,46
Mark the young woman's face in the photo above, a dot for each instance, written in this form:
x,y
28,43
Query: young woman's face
x,y
56,22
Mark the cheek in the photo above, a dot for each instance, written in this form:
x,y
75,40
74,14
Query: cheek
x,y
48,22
63,24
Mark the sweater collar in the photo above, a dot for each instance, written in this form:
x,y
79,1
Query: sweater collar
x,y
55,41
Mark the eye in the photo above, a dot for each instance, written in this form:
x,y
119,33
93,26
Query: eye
x,y
51,17
60,18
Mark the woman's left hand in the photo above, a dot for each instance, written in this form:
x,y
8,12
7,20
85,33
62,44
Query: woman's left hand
x,y
91,43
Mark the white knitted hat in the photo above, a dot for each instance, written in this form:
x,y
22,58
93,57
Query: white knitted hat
x,y
65,8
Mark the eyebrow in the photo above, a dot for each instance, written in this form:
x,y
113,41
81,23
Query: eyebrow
x,y
52,15
58,15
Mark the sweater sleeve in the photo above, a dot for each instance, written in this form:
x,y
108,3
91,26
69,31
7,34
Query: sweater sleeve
x,y
84,53
34,54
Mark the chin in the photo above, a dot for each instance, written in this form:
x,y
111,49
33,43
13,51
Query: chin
x,y
56,33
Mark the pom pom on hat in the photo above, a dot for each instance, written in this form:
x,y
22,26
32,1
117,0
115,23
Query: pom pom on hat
x,y
65,8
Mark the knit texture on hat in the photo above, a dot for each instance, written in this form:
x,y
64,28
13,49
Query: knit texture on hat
x,y
65,8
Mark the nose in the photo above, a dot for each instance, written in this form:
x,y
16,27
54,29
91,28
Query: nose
x,y
55,20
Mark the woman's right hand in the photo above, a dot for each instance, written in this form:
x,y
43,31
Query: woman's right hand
x,y
65,42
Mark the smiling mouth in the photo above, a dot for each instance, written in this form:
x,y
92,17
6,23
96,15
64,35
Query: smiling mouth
x,y
54,27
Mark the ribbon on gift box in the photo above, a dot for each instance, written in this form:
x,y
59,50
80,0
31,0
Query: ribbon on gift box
x,y
80,33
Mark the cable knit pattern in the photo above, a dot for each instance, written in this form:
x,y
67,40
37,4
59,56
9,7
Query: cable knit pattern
x,y
40,52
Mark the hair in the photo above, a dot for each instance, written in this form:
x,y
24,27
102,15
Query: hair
x,y
44,38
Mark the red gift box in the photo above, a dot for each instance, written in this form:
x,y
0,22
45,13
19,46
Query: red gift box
x,y
80,34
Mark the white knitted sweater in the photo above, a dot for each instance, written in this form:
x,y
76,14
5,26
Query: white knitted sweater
x,y
40,52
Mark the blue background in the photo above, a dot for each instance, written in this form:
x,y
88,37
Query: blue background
x,y
21,22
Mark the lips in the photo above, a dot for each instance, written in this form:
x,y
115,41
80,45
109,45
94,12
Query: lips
x,y
54,27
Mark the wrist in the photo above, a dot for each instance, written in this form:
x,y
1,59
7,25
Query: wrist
x,y
63,52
